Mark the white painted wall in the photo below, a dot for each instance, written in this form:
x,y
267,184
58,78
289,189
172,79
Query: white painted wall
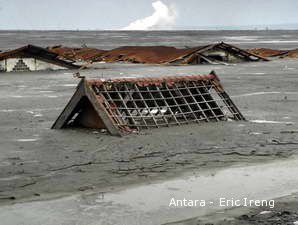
x,y
2,65
33,64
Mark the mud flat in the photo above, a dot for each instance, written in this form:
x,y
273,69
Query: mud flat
x,y
151,204
285,212
37,163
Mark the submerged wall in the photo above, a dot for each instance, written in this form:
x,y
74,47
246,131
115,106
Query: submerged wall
x,y
26,64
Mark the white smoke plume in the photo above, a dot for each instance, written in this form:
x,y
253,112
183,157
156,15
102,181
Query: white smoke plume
x,y
164,17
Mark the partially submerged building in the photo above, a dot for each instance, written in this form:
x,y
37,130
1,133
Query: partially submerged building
x,y
32,58
219,53
126,105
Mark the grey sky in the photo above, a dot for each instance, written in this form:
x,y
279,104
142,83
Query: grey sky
x,y
115,14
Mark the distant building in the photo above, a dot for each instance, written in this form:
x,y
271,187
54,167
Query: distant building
x,y
32,58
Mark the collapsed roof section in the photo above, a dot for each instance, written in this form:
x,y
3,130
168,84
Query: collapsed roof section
x,y
125,105
42,54
275,53
145,54
77,54
220,53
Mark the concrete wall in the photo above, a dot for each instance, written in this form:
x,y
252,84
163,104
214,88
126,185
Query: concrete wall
x,y
26,64
2,65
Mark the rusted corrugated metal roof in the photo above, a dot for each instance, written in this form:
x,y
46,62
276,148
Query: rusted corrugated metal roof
x,y
77,54
157,54
146,54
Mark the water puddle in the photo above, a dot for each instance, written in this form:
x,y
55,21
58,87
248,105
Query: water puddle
x,y
70,85
27,140
256,93
271,122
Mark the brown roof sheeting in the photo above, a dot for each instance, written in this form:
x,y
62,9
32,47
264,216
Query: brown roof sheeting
x,y
153,54
81,54
267,52
146,54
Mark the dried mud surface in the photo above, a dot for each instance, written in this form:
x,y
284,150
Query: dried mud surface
x,y
36,161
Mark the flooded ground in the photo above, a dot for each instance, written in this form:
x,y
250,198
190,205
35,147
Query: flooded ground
x,y
76,167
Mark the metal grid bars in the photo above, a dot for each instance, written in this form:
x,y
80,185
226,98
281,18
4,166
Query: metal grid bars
x,y
142,103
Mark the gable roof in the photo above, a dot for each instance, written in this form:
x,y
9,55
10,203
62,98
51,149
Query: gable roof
x,y
249,56
124,105
32,51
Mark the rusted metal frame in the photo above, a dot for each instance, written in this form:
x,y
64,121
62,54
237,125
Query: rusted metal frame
x,y
210,102
114,116
227,105
139,111
228,101
145,103
213,102
163,124
167,105
225,99
141,91
158,99
121,120
177,105
186,102
155,107
197,103
202,101
135,105
121,114
208,98
157,116
125,106
182,104
156,104
101,110
221,101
